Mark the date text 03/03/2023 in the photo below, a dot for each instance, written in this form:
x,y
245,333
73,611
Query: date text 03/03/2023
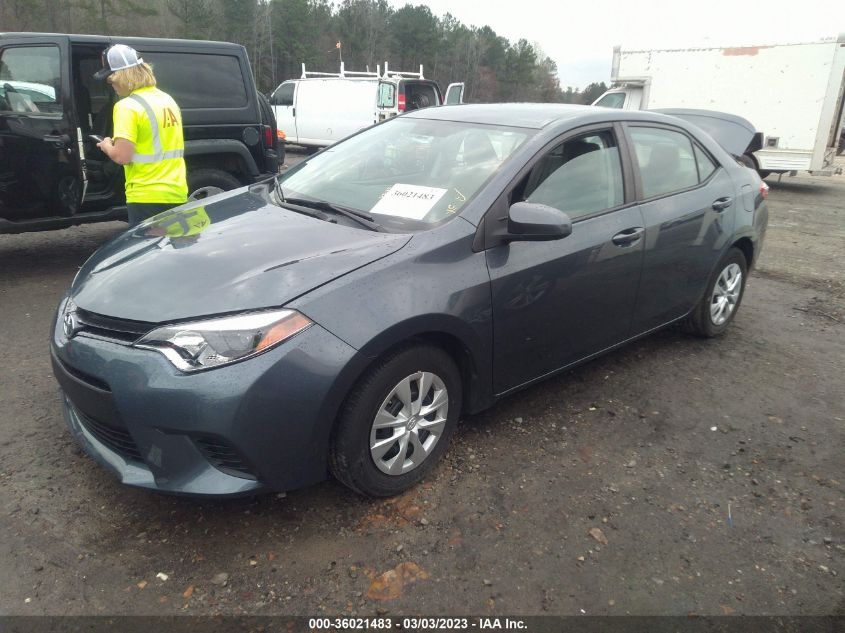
x,y
415,624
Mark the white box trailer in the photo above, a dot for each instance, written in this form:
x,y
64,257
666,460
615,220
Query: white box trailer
x,y
319,109
792,93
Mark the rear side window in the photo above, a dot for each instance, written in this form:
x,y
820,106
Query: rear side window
x,y
30,79
284,95
666,160
705,165
200,81
580,177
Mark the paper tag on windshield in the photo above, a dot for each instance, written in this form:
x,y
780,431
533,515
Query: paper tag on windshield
x,y
408,201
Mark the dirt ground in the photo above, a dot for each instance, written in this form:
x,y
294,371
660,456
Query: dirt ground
x,y
674,476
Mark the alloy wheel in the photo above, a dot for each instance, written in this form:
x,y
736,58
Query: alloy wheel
x,y
725,294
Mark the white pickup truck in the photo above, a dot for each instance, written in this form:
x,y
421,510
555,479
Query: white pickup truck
x,y
792,93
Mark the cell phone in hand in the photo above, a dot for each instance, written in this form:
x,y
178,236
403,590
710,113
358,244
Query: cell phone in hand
x,y
95,138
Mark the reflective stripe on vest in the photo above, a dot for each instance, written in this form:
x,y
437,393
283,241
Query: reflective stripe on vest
x,y
157,154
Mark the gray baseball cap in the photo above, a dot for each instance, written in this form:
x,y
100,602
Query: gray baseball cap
x,y
118,57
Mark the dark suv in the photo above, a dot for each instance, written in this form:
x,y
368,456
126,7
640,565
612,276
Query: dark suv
x,y
51,173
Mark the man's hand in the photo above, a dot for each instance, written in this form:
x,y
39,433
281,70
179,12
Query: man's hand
x,y
119,150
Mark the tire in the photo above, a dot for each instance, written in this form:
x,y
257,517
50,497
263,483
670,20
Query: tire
x,y
720,303
203,183
381,462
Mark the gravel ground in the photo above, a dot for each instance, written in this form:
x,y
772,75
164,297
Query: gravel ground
x,y
674,476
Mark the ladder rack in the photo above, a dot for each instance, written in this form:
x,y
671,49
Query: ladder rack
x,y
361,73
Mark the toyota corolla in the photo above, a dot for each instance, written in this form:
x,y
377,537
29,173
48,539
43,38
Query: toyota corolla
x,y
341,319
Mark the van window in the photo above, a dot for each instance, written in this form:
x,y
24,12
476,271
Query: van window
x,y
284,94
30,79
386,95
196,80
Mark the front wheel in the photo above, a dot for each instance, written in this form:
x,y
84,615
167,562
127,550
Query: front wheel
x,y
397,422
720,303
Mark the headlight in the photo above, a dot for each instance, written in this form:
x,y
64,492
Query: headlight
x,y
215,342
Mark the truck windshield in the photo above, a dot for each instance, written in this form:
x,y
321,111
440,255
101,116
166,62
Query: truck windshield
x,y
612,100
409,174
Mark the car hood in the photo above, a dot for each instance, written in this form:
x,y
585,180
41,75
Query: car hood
x,y
236,252
735,134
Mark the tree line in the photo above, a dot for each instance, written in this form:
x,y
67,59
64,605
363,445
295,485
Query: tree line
x,y
281,35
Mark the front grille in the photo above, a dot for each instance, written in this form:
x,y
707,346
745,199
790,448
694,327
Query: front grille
x,y
83,377
117,440
109,328
224,457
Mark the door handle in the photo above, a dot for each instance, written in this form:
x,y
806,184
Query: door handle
x,y
721,204
58,140
628,236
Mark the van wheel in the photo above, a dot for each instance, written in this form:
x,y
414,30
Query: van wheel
x,y
397,421
203,183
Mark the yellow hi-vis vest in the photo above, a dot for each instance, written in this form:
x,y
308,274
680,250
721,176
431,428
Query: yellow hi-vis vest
x,y
151,120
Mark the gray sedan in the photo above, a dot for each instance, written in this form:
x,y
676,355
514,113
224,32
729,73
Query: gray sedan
x,y
342,318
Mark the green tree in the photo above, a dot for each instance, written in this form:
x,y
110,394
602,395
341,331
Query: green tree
x,y
363,28
593,92
193,17
415,35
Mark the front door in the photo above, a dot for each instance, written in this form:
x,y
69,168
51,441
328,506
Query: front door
x,y
557,302
283,107
41,174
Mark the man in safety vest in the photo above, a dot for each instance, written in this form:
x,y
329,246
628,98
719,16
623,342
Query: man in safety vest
x,y
148,139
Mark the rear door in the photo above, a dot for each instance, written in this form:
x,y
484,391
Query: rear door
x,y
688,204
41,171
454,94
283,100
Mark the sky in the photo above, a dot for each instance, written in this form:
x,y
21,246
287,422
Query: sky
x,y
580,35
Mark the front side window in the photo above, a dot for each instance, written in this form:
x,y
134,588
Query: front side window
x,y
580,177
666,160
30,79
284,95
409,173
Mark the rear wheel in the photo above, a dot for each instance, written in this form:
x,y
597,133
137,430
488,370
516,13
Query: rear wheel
x,y
204,183
720,303
397,422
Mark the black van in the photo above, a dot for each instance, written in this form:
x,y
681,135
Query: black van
x,y
52,175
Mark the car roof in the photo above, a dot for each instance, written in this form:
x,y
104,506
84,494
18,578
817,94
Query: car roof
x,y
535,115
135,42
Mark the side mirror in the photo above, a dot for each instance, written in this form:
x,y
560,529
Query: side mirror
x,y
534,222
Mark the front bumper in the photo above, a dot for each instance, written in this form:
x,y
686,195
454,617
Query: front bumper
x,y
260,424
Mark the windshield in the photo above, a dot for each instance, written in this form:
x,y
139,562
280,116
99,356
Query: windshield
x,y
612,100
407,173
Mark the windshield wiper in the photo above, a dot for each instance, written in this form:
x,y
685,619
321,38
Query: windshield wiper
x,y
294,206
360,217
